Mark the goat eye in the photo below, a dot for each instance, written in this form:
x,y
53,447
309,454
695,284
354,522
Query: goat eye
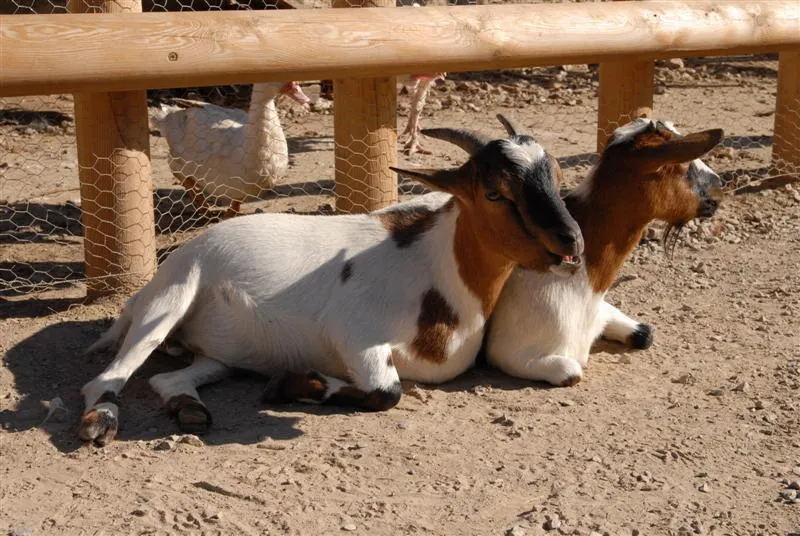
x,y
493,196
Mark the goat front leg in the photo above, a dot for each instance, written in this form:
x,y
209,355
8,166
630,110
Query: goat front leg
x,y
558,370
178,390
375,384
621,328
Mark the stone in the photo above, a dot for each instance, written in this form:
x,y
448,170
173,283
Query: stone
x,y
164,444
192,440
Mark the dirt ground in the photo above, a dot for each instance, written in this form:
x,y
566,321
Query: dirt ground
x,y
698,435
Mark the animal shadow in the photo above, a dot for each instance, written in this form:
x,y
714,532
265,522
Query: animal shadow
x,y
50,363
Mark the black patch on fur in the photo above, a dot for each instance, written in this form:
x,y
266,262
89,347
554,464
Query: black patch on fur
x,y
347,271
642,338
109,397
381,400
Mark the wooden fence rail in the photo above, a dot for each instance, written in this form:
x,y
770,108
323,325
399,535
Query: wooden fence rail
x,y
110,52
106,58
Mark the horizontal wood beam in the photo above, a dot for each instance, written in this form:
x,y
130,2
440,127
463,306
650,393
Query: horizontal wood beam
x,y
110,52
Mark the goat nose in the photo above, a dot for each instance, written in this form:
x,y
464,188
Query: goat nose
x,y
571,240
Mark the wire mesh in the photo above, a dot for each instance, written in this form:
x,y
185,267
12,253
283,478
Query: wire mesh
x,y
228,150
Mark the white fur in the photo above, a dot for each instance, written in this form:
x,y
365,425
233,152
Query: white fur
x,y
544,325
265,293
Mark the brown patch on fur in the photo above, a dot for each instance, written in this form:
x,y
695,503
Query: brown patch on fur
x,y
407,225
309,386
614,215
484,272
193,416
435,325
347,271
93,422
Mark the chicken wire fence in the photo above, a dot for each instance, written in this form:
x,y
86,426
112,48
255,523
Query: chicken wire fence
x,y
222,151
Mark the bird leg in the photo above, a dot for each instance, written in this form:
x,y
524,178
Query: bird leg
x,y
196,197
233,209
419,93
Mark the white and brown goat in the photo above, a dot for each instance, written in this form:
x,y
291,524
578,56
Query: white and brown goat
x,y
544,324
336,309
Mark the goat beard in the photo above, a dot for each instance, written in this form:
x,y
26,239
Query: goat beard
x,y
672,233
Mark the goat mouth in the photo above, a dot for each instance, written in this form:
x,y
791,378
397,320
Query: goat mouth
x,y
568,263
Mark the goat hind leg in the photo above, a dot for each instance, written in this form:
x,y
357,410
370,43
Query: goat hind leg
x,y
178,390
148,329
621,328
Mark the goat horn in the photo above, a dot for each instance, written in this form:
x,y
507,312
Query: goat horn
x,y
508,124
470,141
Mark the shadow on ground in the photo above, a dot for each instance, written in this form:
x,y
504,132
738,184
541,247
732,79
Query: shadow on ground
x,y
51,364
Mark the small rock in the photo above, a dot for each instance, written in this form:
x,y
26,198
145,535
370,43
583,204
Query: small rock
x,y
552,523
794,484
404,425
704,488
321,105
349,527
674,63
760,404
192,440
743,387
684,379
517,530
716,392
503,421
139,512
56,411
269,444
164,444
566,402
20,532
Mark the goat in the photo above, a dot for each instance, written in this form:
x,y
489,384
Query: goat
x,y
336,309
544,325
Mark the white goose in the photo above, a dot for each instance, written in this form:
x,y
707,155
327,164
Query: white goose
x,y
226,152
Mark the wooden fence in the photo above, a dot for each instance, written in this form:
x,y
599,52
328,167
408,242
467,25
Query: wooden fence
x,y
107,60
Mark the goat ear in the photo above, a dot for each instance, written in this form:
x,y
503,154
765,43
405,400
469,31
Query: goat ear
x,y
684,149
444,180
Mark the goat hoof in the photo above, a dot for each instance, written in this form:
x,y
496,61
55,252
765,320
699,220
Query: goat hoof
x,y
642,338
570,381
98,425
193,417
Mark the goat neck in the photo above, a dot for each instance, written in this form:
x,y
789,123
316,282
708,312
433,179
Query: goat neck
x,y
612,218
483,270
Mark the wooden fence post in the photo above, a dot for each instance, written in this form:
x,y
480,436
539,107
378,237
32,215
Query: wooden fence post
x,y
365,134
115,180
786,141
625,86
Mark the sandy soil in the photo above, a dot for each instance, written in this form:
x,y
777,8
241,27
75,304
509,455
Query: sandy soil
x,y
697,435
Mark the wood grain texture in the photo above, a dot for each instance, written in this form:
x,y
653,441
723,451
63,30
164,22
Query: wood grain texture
x,y
365,131
115,181
67,53
786,147
624,87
